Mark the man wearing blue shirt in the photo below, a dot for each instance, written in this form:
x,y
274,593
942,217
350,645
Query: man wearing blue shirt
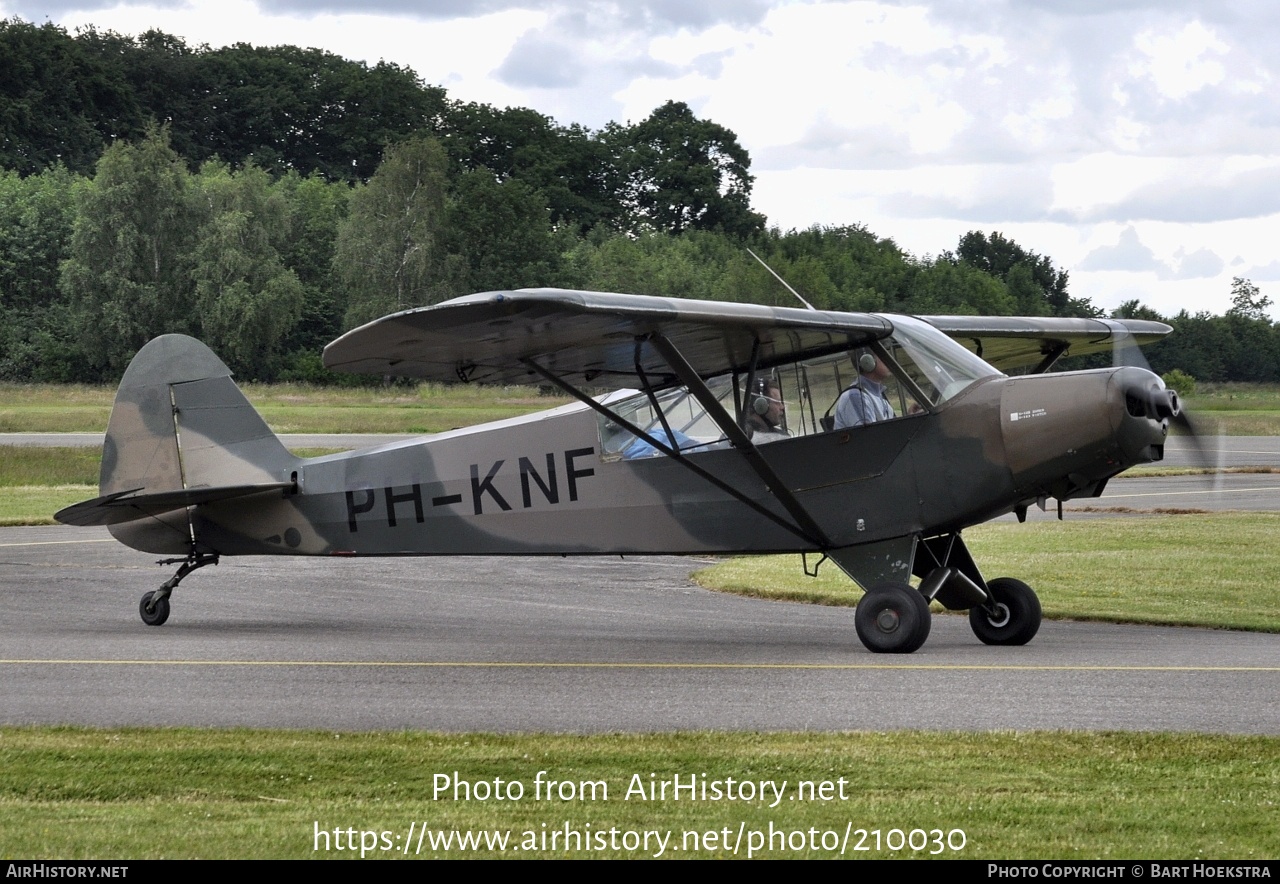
x,y
865,402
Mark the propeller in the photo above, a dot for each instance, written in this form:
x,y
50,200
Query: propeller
x,y
1165,403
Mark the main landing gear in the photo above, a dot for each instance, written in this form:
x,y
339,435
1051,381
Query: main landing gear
x,y
154,607
894,618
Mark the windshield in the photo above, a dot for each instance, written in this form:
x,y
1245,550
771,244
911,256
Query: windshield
x,y
939,366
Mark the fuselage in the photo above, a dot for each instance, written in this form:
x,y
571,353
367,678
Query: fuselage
x,y
548,484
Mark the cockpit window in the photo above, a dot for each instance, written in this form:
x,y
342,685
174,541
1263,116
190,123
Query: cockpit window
x,y
692,429
795,399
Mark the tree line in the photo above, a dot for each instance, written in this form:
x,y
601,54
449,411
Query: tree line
x,y
1242,345
267,270
266,200
64,98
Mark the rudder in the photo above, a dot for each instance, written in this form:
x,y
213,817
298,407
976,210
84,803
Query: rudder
x,y
179,421
181,434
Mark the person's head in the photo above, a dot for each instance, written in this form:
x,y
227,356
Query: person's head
x,y
871,366
766,402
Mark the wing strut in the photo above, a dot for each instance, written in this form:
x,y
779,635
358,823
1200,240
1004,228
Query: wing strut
x,y
1050,357
740,440
817,539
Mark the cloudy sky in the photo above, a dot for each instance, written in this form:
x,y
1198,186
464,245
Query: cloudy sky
x,y
1136,142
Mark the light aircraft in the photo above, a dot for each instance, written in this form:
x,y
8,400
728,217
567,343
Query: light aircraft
x,y
659,454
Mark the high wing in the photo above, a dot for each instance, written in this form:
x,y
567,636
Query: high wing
x,y
591,339
1009,343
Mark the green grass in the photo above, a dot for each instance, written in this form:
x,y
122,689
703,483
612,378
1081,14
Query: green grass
x,y
1235,397
1236,409
289,408
1187,570
22,466
35,505
37,482
79,793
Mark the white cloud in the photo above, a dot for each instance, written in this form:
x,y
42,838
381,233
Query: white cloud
x,y
1263,272
1200,264
1129,254
1183,62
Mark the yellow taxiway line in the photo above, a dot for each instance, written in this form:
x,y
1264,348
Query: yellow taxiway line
x,y
478,664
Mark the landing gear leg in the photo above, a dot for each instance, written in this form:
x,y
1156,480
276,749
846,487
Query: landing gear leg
x,y
154,607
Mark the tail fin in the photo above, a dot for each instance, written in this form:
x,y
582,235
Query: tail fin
x,y
181,433
179,421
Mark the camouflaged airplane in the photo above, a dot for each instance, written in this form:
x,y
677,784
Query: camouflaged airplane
x,y
870,440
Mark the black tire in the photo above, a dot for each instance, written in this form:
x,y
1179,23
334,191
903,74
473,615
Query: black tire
x,y
159,611
893,618
1018,620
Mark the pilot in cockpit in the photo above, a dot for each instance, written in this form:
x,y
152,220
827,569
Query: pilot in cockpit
x,y
866,401
766,412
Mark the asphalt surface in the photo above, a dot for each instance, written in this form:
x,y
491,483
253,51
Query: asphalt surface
x,y
570,645
1156,495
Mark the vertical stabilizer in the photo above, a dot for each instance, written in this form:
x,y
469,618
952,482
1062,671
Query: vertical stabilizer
x,y
181,433
180,422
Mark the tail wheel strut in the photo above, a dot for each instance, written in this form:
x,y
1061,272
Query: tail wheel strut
x,y
154,607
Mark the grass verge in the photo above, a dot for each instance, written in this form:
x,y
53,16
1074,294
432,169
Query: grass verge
x,y
37,482
80,793
36,504
290,408
1184,570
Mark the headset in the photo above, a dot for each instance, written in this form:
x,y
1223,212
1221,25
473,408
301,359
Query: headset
x,y
761,401
866,361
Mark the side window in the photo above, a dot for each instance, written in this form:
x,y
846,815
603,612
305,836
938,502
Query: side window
x,y
845,394
692,429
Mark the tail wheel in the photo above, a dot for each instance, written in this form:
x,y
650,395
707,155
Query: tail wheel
x,y
1014,618
892,618
154,610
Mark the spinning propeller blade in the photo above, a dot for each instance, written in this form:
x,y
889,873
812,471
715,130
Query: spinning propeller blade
x,y
1126,351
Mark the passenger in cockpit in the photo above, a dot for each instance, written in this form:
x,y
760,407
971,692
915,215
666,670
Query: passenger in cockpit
x,y
766,412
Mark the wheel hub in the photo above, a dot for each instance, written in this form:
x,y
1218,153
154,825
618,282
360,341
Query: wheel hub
x,y
888,620
1000,617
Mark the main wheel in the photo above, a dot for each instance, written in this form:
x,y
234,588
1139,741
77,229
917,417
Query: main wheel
x,y
153,614
892,618
1016,619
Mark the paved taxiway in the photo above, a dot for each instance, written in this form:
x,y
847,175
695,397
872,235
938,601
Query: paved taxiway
x,y
1250,492
574,645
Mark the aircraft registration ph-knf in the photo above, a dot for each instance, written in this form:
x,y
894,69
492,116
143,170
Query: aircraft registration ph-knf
x,y
661,452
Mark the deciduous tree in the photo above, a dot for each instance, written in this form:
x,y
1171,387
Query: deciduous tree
x,y
681,173
129,274
390,251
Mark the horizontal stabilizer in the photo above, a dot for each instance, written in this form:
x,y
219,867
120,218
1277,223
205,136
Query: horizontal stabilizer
x,y
128,506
